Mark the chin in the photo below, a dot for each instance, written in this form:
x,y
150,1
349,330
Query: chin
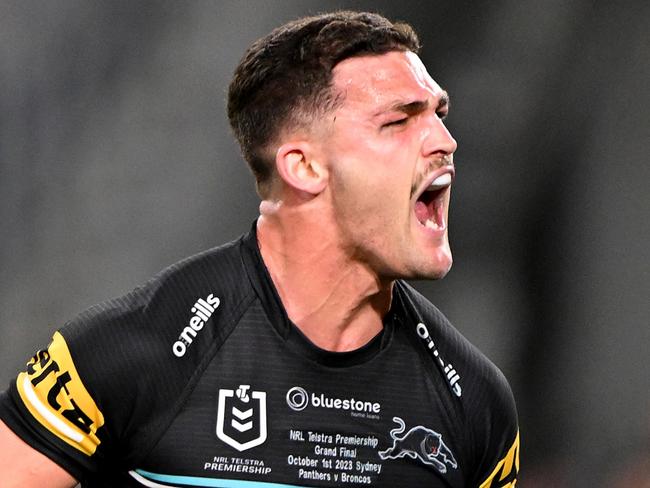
x,y
438,266
436,273
441,272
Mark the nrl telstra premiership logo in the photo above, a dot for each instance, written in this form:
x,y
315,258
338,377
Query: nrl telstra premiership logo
x,y
241,417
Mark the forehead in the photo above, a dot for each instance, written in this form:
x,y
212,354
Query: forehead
x,y
377,80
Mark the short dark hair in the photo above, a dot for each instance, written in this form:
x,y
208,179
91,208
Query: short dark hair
x,y
285,78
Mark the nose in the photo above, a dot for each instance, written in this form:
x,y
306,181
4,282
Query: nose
x,y
437,140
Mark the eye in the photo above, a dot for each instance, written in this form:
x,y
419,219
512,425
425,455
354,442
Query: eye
x,y
396,123
442,114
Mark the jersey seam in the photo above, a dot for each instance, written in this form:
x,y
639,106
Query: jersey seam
x,y
193,380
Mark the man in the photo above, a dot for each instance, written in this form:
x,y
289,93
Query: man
x,y
293,356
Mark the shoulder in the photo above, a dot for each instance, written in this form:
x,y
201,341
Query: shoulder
x,y
156,312
138,353
480,376
111,378
483,391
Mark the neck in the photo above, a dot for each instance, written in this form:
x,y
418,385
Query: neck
x,y
334,299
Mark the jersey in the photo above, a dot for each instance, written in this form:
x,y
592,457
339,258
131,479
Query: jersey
x,y
199,379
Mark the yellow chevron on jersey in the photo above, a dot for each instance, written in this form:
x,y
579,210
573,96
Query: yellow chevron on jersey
x,y
54,394
505,472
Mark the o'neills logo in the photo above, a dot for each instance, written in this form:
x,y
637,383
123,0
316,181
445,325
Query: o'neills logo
x,y
452,376
202,311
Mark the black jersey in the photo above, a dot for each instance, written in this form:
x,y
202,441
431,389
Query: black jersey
x,y
198,378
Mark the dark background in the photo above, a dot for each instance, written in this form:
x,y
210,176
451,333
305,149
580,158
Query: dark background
x,y
116,160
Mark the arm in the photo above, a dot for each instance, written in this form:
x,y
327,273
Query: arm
x,y
24,467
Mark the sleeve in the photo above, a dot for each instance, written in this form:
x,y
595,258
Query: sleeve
x,y
489,412
499,433
506,470
75,398
98,398
51,409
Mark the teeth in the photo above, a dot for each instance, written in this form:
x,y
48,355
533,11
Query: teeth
x,y
431,224
440,182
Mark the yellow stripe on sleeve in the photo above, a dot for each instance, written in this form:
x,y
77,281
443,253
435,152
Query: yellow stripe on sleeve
x,y
504,474
54,394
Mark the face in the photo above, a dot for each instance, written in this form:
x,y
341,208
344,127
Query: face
x,y
390,160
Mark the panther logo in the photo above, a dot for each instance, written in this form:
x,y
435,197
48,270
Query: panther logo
x,y
419,443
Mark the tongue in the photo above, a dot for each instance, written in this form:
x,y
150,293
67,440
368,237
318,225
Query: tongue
x,y
421,212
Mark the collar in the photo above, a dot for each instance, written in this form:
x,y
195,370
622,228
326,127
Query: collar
x,y
262,283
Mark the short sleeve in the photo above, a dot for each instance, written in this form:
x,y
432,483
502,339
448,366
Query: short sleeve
x,y
499,436
51,409
506,470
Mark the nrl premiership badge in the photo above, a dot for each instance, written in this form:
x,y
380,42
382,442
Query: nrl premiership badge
x,y
241,417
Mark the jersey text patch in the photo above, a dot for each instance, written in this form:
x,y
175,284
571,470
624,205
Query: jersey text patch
x,y
54,394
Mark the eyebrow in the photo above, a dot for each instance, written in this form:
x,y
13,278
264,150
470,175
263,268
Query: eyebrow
x,y
417,106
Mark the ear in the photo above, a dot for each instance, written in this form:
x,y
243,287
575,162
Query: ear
x,y
300,168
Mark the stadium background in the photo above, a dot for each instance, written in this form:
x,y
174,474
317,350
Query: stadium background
x,y
116,160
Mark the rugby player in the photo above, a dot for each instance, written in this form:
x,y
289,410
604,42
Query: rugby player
x,y
296,355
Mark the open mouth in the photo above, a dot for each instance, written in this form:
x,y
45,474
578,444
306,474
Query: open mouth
x,y
430,205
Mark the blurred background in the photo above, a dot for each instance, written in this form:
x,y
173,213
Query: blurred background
x,y
116,160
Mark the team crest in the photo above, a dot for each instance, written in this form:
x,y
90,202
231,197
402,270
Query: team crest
x,y
419,443
241,417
